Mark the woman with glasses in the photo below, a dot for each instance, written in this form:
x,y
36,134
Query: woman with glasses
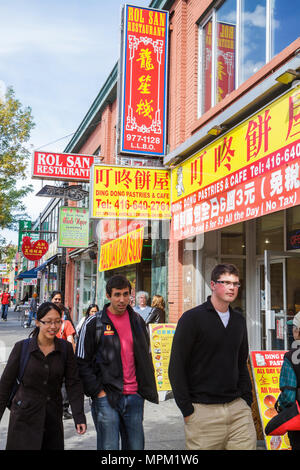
x,y
36,409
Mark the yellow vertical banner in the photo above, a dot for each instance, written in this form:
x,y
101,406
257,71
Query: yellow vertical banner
x,y
266,366
161,338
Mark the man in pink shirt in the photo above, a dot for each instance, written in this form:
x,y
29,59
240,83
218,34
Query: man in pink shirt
x,y
116,369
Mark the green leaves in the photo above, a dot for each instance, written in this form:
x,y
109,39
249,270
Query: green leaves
x,y
15,126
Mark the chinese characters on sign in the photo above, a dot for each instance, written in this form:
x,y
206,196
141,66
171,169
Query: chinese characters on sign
x,y
247,173
225,66
138,193
266,366
144,77
34,250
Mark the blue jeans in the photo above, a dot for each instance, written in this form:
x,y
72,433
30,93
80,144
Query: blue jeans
x,y
125,421
31,315
4,311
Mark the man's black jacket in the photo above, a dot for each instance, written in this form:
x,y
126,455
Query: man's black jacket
x,y
100,365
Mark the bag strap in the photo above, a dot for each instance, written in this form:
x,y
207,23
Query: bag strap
x,y
23,359
99,327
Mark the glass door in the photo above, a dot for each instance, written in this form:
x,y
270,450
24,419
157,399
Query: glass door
x,y
278,285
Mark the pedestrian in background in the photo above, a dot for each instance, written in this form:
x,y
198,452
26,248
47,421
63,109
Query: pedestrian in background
x,y
36,411
33,306
208,370
289,380
91,310
116,370
142,308
57,298
157,313
5,302
66,332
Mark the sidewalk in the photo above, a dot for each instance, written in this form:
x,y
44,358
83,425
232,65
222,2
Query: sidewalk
x,y
163,423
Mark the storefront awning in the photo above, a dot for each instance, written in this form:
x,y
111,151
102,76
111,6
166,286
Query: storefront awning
x,y
31,273
44,265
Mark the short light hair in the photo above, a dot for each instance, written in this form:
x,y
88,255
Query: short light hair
x,y
140,293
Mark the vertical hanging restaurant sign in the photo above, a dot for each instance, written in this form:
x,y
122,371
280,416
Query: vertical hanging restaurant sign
x,y
143,85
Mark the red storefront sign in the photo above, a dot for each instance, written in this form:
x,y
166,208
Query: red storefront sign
x,y
34,250
144,81
61,166
225,61
249,193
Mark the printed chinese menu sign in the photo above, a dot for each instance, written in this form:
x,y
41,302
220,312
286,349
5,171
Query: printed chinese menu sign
x,y
266,366
143,109
161,338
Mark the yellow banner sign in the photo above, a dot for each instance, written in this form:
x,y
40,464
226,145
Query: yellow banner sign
x,y
260,144
122,251
130,193
161,338
266,366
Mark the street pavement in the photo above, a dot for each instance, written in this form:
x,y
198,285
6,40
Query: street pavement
x,y
163,423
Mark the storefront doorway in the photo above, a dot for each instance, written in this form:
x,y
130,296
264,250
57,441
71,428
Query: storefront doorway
x,y
279,297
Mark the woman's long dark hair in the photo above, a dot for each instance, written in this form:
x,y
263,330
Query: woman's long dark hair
x,y
42,312
87,314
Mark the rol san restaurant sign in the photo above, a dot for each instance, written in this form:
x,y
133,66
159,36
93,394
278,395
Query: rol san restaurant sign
x,y
129,193
73,227
249,172
143,86
61,166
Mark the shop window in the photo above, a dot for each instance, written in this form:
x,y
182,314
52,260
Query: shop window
x,y
191,272
293,228
233,240
253,38
285,20
269,233
236,39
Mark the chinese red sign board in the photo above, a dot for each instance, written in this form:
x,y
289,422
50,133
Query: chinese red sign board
x,y
34,250
225,67
61,166
144,81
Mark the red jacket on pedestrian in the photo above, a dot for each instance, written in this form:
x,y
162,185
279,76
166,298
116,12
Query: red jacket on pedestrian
x,y
5,298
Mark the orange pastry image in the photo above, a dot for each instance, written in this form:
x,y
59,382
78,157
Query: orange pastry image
x,y
269,401
270,413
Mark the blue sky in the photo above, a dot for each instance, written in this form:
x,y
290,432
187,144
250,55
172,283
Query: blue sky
x,y
56,54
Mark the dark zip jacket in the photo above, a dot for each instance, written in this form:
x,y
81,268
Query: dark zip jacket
x,y
100,365
208,362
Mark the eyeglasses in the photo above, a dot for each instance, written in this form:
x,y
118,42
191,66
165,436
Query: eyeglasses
x,y
229,283
48,322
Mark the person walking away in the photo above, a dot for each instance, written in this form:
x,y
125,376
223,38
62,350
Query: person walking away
x,y
35,421
157,313
208,370
91,310
5,302
289,380
116,369
142,308
32,310
67,333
